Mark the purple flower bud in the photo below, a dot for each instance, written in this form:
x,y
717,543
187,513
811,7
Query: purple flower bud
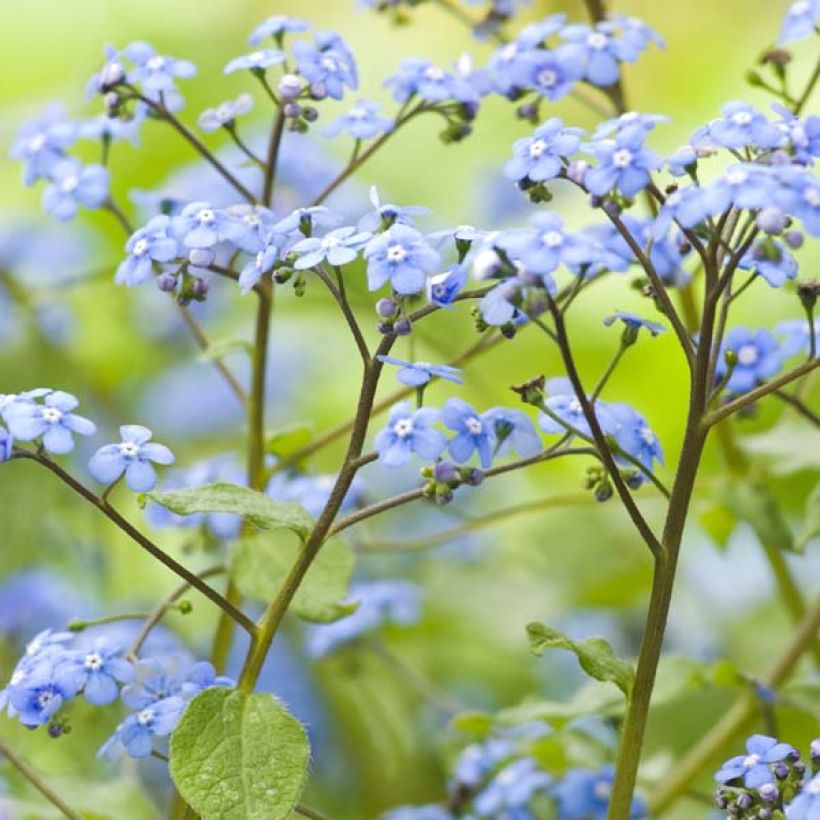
x,y
384,328
199,289
799,767
292,110
113,74
310,114
444,471
474,477
403,327
386,307
318,91
771,220
794,239
444,497
781,771
814,750
289,86
744,801
768,792
167,282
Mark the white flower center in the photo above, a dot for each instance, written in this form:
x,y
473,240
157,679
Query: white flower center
x,y
330,64
751,761
736,177
814,786
812,196
474,426
403,428
129,449
434,73
547,78
552,239
45,698
603,790
156,63
93,661
330,242
622,158
396,253
647,436
145,717
140,247
251,220
37,142
741,118
206,216
52,415
597,40
70,183
537,148
574,407
800,7
747,355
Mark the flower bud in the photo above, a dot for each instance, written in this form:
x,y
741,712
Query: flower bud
x,y
292,110
310,114
318,91
199,290
289,86
402,327
386,307
444,472
781,771
112,74
768,792
771,220
794,239
167,282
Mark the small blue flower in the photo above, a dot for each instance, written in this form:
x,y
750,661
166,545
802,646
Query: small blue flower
x,y
41,144
512,788
256,60
623,163
679,162
6,444
742,126
634,436
473,434
135,735
200,225
599,53
361,122
633,30
806,806
202,676
306,220
584,795
277,26
802,133
40,691
544,246
513,429
153,243
53,421
401,256
800,21
771,260
799,195
329,68
417,374
428,81
629,119
754,768
563,402
131,457
212,119
634,322
383,216
442,288
409,431
476,762
112,129
262,263
796,336
155,73
339,247
73,184
758,358
250,226
97,671
430,812
542,156
549,73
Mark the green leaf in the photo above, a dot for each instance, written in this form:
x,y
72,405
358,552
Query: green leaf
x,y
289,440
239,756
259,566
811,524
752,501
478,724
789,447
594,654
718,522
254,506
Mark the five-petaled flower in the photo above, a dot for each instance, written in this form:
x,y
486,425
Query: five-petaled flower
x,y
409,431
52,421
401,256
754,769
473,433
417,374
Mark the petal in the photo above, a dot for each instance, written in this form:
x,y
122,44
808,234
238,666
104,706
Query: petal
x,y
80,424
107,464
57,439
140,476
100,689
158,453
135,433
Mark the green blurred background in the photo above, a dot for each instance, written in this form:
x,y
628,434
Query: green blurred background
x,y
579,566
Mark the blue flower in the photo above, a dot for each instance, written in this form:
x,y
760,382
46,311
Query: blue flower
x,y
212,119
679,162
112,129
39,692
380,602
431,812
629,119
563,402
6,444
52,421
276,26
542,155
742,126
41,144
634,322
771,260
383,216
417,374
409,431
633,30
442,288
200,225
362,122
132,457
73,184
806,806
599,52
476,762
153,243
428,81
262,263
545,245
329,67
250,226
401,256
584,795
512,788
758,358
623,163
754,768
799,194
800,21
634,436
305,220
513,429
256,60
97,671
796,336
802,133
202,676
155,73
313,491
135,735
549,73
339,247
473,434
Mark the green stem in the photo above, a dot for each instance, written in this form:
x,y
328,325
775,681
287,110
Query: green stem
x,y
273,154
596,391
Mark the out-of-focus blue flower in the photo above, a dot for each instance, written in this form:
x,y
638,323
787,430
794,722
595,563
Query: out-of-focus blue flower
x,y
542,156
442,288
473,434
6,444
633,30
385,215
153,243
39,691
771,260
511,789
276,26
513,429
544,245
431,812
758,358
634,322
598,52
250,226
563,402
72,184
741,126
800,21
200,225
799,194
380,602
634,436
401,256
802,133
679,162
806,806
313,491
41,144
417,374
256,60
409,431
33,599
476,762
263,262
111,129
328,66
628,120
362,122
428,81
155,73
796,336
306,220
584,795
754,768
338,247
135,735
212,119
131,457
53,421
98,671
550,74
624,162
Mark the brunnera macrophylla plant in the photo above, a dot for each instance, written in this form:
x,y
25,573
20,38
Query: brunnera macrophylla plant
x,y
721,215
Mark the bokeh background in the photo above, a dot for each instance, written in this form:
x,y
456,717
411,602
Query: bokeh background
x,y
378,740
